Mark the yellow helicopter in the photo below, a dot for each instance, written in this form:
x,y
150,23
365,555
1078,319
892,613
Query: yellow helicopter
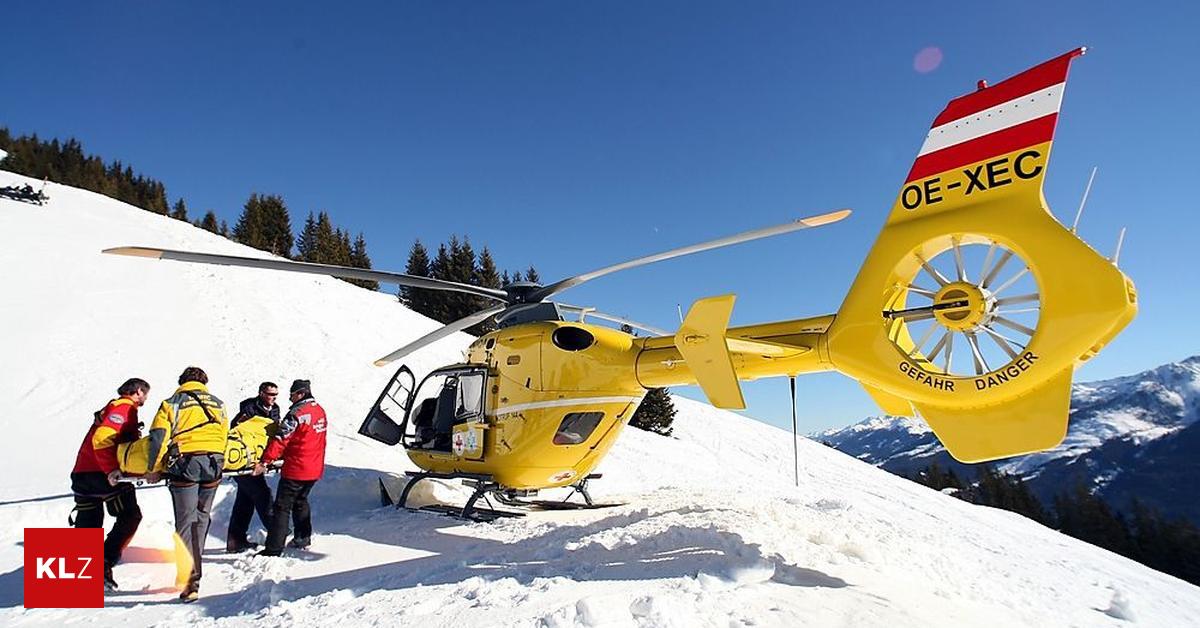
x,y
972,310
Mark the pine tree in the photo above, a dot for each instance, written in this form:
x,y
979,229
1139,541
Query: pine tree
x,y
277,226
937,478
306,242
485,275
439,268
265,225
209,222
532,276
1085,516
327,240
249,228
462,270
180,211
656,413
1002,490
322,241
343,248
360,259
418,266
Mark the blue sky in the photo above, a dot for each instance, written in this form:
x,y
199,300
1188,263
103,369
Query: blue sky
x,y
572,135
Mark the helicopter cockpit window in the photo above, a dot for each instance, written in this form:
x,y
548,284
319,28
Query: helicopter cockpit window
x,y
576,427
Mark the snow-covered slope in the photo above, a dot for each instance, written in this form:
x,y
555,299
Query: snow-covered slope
x,y
713,531
1132,435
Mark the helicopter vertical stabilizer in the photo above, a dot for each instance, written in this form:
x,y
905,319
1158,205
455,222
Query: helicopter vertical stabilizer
x,y
701,341
975,304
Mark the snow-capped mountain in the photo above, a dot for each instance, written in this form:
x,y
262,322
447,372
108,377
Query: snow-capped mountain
x,y
712,531
1134,435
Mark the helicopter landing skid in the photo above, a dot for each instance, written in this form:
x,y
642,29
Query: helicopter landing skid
x,y
510,497
485,488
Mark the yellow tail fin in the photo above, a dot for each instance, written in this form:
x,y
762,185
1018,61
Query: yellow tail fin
x,y
975,303
701,342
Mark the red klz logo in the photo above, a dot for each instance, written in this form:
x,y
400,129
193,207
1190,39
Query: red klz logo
x,y
64,567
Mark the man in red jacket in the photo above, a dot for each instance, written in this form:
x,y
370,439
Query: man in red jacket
x,y
301,444
94,480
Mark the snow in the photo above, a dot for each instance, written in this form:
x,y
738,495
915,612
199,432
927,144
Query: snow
x,y
713,531
908,424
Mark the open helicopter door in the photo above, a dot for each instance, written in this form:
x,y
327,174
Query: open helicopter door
x,y
385,421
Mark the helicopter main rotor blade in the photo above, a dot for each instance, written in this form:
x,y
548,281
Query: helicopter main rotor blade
x,y
766,232
439,333
346,272
593,312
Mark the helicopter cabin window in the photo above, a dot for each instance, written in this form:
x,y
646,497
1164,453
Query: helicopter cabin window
x,y
576,427
443,401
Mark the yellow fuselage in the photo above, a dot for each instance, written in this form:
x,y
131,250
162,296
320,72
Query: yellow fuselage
x,y
533,384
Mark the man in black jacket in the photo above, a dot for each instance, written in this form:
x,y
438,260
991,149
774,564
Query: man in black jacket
x,y
253,494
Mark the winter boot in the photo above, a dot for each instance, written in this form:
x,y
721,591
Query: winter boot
x,y
300,543
110,585
190,593
234,546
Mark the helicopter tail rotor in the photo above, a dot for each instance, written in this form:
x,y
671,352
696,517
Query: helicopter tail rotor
x,y
975,304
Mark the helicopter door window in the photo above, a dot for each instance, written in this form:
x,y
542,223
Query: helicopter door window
x,y
384,422
576,427
469,402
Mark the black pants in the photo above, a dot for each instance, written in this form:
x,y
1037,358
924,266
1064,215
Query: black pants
x,y
89,513
253,494
290,498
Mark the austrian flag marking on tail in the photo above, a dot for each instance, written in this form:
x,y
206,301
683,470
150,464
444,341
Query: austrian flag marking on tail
x,y
990,143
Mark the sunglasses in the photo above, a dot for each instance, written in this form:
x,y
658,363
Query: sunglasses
x,y
274,394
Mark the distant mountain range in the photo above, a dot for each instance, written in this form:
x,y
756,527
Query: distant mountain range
x,y
1130,436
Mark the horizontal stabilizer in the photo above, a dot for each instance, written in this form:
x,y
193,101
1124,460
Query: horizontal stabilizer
x,y
1033,422
701,342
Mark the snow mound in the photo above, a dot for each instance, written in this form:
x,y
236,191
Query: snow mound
x,y
713,530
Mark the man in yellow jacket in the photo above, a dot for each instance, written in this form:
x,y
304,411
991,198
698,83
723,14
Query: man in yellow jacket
x,y
189,431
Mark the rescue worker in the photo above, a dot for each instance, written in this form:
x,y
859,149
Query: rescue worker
x,y
191,427
253,494
301,445
94,479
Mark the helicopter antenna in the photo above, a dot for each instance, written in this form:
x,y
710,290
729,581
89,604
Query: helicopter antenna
x,y
1083,201
679,309
795,436
1116,258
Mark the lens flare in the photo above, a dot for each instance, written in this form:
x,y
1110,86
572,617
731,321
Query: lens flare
x,y
183,563
928,59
